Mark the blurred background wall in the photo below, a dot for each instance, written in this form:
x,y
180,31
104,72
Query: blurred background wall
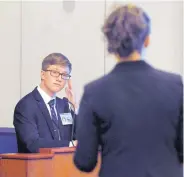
x,y
30,30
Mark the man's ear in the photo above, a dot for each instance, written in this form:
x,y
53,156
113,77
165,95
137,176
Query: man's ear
x,y
42,75
147,41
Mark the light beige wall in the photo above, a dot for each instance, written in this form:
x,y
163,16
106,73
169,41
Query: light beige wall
x,y
31,30
10,56
166,47
48,28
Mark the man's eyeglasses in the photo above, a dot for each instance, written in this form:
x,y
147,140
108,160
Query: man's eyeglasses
x,y
57,74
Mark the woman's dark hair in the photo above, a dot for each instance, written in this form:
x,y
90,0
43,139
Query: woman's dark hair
x,y
126,29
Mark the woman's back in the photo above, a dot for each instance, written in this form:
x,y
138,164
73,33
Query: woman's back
x,y
135,112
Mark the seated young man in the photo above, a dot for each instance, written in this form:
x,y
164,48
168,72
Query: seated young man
x,y
41,119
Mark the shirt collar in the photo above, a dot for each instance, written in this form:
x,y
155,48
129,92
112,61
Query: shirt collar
x,y
45,96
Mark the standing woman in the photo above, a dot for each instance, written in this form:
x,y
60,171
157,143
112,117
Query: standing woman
x,y
135,112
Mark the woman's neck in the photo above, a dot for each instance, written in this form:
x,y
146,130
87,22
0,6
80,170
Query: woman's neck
x,y
135,56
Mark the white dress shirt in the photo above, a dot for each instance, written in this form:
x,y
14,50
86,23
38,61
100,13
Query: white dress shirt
x,y
46,99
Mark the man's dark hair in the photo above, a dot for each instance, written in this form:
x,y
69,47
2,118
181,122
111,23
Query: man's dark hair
x,y
56,59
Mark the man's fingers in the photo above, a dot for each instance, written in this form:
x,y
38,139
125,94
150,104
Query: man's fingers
x,y
70,84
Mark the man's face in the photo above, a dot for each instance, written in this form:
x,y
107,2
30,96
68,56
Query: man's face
x,y
52,79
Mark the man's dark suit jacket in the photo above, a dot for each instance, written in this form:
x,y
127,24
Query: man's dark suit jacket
x,y
135,113
33,124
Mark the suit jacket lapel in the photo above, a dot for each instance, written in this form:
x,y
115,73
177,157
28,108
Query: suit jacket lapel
x,y
60,110
44,110
59,106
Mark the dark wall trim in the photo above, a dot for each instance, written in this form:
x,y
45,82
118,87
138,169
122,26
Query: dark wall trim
x,y
8,141
6,130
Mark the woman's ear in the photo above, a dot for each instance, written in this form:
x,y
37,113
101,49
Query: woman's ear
x,y
147,41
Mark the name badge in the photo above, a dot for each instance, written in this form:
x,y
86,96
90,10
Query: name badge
x,y
66,118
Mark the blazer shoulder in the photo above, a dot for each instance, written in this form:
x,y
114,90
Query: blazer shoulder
x,y
98,83
25,101
169,76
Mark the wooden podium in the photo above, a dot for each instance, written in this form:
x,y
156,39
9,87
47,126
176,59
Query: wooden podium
x,y
50,162
63,163
26,165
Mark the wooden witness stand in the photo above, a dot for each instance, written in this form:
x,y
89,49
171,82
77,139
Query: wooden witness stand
x,y
50,162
